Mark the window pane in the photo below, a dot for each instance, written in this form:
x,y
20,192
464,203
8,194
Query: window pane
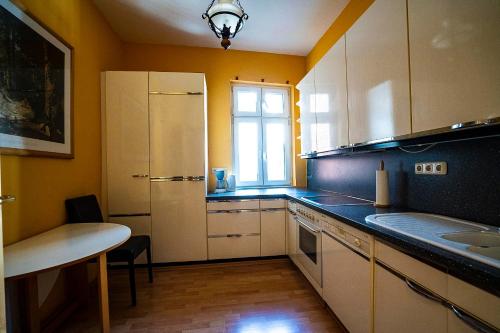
x,y
273,103
276,151
247,101
248,151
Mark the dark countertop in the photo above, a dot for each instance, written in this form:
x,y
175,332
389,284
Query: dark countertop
x,y
481,275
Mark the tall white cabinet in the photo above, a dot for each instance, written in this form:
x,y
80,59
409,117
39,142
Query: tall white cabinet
x,y
154,159
454,60
307,104
331,99
378,74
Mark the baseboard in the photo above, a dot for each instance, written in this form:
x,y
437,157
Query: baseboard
x,y
200,262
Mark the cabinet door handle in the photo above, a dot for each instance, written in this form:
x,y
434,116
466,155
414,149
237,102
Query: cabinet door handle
x,y
471,321
140,176
234,235
423,292
7,198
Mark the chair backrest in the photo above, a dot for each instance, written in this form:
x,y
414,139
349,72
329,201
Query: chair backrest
x,y
83,209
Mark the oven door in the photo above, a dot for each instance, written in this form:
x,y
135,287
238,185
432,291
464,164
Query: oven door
x,y
309,248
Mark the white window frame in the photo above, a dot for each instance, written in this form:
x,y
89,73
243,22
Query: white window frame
x,y
262,118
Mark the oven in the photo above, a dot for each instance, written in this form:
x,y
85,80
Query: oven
x,y
309,246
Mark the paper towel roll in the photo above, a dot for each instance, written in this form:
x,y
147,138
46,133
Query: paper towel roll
x,y
382,189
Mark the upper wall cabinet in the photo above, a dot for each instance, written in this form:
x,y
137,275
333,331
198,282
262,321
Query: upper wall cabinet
x,y
454,61
378,73
307,106
331,99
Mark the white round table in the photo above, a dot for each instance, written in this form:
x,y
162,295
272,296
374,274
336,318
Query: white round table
x,y
64,246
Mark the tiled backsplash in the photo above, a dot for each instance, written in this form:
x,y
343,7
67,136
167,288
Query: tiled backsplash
x,y
470,190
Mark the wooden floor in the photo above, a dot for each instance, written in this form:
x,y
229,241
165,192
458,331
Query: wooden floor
x,y
249,297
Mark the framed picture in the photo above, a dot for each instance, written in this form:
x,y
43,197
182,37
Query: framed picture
x,y
35,87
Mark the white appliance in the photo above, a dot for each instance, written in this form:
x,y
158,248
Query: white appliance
x,y
177,121
347,274
154,159
309,245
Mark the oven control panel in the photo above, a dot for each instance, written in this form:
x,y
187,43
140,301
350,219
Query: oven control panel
x,y
309,215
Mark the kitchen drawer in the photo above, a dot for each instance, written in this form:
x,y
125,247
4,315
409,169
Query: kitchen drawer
x,y
424,274
233,222
233,247
273,203
474,300
232,204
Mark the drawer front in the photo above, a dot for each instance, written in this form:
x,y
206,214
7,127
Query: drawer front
x,y
424,274
476,301
233,247
232,204
273,203
233,222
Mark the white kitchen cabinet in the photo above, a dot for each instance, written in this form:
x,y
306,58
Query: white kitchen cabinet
x,y
391,288
331,99
398,308
234,247
273,234
454,52
125,135
347,284
233,229
378,73
179,227
177,125
307,104
235,222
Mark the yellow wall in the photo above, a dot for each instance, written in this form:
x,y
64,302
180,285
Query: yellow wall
x,y
42,184
220,68
353,10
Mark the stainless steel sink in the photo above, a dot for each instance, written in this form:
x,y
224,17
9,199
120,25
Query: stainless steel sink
x,y
475,238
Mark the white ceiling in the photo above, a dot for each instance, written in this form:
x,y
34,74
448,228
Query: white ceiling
x,y
277,26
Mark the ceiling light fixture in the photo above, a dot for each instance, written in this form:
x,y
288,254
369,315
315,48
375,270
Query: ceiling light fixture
x,y
225,18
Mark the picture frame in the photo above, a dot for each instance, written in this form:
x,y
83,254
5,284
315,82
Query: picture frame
x,y
36,87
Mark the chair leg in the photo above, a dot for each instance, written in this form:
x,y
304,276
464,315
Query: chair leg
x,y
131,273
150,266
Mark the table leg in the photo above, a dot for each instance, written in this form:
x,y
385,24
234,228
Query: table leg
x,y
103,293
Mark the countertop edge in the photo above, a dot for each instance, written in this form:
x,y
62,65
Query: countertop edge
x,y
476,273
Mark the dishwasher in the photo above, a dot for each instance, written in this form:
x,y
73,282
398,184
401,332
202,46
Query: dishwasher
x,y
346,255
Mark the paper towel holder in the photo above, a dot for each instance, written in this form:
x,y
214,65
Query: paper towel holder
x,y
382,187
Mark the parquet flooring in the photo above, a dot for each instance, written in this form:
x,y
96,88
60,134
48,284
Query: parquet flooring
x,y
245,297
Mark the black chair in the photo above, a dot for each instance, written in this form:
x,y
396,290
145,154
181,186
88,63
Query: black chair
x,y
86,209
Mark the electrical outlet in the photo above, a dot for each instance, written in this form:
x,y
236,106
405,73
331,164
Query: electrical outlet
x,y
428,168
419,168
440,168
431,168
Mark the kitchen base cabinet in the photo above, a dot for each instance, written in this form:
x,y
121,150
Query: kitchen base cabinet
x,y
399,308
347,284
233,247
273,234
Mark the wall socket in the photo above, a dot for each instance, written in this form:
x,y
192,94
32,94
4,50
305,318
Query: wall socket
x,y
431,168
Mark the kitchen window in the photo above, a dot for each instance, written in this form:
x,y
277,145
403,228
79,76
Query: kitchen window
x,y
261,135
